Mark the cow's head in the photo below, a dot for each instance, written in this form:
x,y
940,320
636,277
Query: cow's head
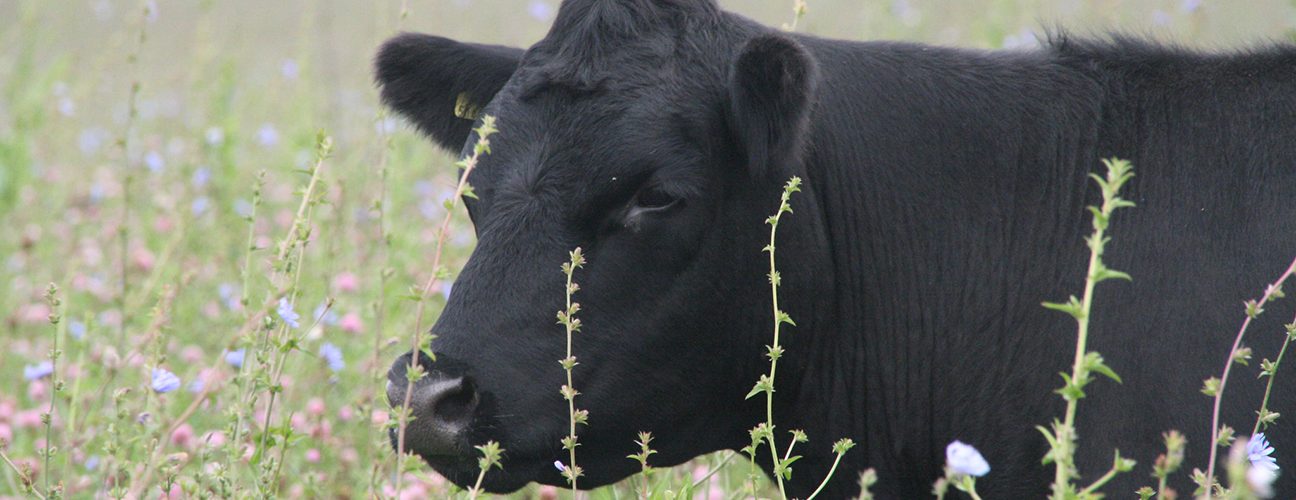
x,y
656,136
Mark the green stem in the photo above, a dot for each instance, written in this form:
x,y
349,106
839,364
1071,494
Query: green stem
x,y
476,489
1264,403
72,407
571,399
295,240
251,239
831,470
1061,475
49,420
776,348
123,231
1228,364
1064,435
1093,488
709,474
245,392
482,147
25,480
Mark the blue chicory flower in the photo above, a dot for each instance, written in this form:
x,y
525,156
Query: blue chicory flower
x,y
164,381
38,371
77,329
200,177
287,314
325,315
540,10
289,69
267,135
199,205
235,358
243,208
1259,452
154,162
333,356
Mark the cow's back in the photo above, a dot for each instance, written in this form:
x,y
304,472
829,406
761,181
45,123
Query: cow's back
x,y
955,183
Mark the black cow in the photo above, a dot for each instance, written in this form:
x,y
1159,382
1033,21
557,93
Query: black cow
x,y
943,201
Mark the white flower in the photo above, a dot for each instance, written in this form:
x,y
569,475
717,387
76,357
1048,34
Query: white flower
x,y
215,136
1261,481
962,458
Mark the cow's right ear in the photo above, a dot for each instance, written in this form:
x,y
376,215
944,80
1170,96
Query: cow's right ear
x,y
440,84
771,90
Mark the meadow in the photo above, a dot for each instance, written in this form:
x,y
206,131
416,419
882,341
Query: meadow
x,y
179,178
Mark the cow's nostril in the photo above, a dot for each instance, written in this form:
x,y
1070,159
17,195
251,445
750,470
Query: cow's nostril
x,y
455,404
443,407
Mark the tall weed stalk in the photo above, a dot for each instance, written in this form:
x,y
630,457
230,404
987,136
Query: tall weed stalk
x,y
763,433
1062,438
414,373
1222,435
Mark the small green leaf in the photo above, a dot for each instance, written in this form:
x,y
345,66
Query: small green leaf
x,y
1242,356
1094,362
1072,307
1103,273
787,471
1225,436
1211,386
1267,417
1267,368
1071,391
762,385
1122,464
1253,308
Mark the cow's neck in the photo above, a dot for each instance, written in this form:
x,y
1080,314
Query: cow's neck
x,y
919,299
840,382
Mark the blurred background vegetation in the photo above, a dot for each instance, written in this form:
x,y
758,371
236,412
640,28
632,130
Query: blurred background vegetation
x,y
229,88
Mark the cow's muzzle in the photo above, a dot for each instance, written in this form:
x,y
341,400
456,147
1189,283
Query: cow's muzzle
x,y
442,407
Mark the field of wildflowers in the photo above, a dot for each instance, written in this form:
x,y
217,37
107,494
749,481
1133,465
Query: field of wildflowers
x,y
216,241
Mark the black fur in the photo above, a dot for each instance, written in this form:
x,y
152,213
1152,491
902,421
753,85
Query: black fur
x,y
943,201
423,76
771,89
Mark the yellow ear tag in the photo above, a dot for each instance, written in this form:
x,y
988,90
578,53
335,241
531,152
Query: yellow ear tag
x,y
464,108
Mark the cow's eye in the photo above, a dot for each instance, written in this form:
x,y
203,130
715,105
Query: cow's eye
x,y
654,199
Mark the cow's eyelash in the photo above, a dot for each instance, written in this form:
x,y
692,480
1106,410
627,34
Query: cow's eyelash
x,y
654,196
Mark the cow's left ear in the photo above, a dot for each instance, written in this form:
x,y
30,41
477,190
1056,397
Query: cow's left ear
x,y
440,84
771,90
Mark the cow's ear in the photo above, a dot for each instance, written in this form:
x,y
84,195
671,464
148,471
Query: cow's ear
x,y
771,90
440,84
